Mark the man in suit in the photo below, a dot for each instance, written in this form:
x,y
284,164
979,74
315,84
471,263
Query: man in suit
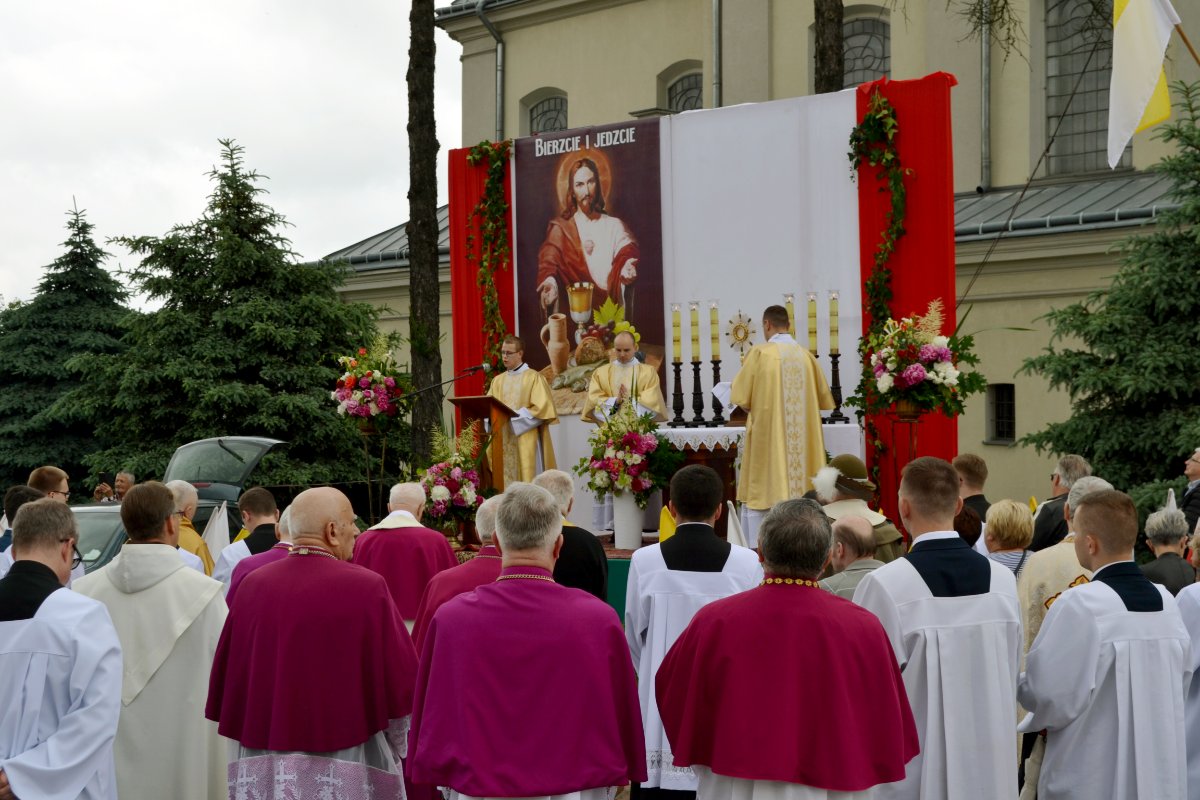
x,y
972,474
582,563
1050,522
1190,503
852,557
955,626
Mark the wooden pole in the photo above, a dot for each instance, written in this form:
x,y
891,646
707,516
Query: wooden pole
x,y
1188,43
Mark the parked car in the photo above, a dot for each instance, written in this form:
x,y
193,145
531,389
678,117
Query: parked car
x,y
219,469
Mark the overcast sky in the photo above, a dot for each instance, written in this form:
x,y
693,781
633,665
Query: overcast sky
x,y
120,105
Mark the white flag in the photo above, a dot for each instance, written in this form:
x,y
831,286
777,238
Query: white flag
x,y
1137,93
216,532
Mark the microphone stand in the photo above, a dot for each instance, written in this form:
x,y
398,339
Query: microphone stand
x,y
463,374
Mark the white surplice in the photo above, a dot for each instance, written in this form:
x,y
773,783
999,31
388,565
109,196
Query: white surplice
x,y
229,558
1108,686
959,657
659,604
722,787
1189,610
60,697
169,619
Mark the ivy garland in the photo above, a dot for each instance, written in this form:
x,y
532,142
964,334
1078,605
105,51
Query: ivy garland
x,y
873,142
495,253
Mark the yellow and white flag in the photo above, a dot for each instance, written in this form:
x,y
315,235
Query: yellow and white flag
x,y
1137,95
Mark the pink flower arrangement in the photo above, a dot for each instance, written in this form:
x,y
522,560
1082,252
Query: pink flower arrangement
x,y
370,387
628,455
452,490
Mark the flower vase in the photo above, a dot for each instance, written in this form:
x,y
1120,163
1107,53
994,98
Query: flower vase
x,y
627,521
907,410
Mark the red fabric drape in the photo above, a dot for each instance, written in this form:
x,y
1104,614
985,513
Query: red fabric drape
x,y
923,262
466,306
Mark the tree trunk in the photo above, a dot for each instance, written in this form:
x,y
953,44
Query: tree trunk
x,y
829,67
425,293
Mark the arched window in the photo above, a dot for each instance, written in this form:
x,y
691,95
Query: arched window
x,y
866,49
686,94
1078,44
548,115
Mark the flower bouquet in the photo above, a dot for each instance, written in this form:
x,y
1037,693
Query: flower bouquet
x,y
452,484
628,456
913,365
371,387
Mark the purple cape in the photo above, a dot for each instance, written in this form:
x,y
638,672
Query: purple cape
x,y
406,558
483,568
787,683
526,689
313,657
251,563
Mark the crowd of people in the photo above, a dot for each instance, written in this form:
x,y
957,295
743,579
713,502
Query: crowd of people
x,y
835,662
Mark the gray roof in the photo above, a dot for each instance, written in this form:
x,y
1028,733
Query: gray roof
x,y
462,8
1109,202
390,248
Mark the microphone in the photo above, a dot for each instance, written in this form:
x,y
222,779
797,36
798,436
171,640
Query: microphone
x,y
484,368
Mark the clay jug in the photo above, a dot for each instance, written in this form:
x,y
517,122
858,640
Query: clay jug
x,y
554,338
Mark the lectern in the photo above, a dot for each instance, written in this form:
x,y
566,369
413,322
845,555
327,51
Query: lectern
x,y
497,414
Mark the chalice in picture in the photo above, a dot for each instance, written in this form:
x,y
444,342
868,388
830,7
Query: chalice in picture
x,y
579,296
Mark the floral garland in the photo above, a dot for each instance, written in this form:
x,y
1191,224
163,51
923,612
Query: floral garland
x,y
491,214
873,141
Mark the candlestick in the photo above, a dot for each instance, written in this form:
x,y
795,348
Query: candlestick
x,y
836,390
789,300
676,336
694,308
718,418
812,322
677,397
697,397
715,324
833,322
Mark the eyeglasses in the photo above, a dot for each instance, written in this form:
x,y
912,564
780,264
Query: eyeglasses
x,y
77,559
65,495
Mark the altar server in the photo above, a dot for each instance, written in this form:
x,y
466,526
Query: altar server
x,y
251,563
955,626
1107,675
1189,610
168,618
314,673
786,691
259,516
403,551
450,583
668,584
526,439
526,688
60,669
784,390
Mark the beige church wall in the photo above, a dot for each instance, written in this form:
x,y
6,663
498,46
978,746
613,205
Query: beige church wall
x,y
1025,278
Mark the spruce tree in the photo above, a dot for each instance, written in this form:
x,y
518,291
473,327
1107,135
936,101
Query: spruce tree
x,y
45,345
1124,354
244,342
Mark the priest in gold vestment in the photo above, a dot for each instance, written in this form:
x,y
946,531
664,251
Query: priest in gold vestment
x,y
625,379
526,439
784,390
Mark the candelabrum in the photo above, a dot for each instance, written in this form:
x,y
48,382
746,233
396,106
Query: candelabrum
x,y
677,397
698,421
718,418
836,416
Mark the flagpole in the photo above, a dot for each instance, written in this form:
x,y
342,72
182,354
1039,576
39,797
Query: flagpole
x,y
1187,42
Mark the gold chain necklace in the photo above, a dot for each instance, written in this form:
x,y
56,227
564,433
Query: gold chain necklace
x,y
312,550
791,582
525,575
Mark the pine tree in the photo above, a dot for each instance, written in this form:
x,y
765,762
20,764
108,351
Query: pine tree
x,y
245,342
45,345
1126,357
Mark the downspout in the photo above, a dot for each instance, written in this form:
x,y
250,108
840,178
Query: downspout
x,y
716,68
487,23
985,102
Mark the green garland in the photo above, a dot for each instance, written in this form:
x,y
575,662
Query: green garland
x,y
873,141
491,215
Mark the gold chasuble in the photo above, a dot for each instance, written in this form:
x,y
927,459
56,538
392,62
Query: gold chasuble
x,y
525,389
608,380
784,390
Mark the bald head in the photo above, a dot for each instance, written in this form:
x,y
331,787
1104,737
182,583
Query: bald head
x,y
856,535
485,519
284,526
624,346
408,497
324,517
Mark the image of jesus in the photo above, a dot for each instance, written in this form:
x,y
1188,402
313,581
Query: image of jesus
x,y
584,244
